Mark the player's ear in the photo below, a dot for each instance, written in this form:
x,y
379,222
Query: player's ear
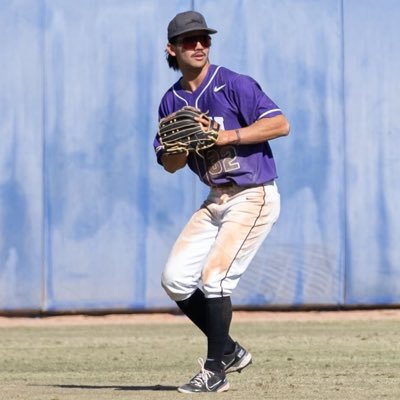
x,y
171,50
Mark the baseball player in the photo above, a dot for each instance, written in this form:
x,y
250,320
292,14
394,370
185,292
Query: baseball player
x,y
222,236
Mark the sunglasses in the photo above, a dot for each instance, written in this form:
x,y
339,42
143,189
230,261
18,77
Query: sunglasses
x,y
190,42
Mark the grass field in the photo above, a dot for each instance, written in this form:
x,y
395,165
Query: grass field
x,y
329,360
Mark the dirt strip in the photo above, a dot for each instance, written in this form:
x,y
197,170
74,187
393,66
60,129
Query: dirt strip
x,y
143,318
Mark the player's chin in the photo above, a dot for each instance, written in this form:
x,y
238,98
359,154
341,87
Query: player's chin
x,y
198,62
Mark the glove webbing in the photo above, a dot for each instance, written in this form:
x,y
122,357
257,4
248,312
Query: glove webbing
x,y
178,134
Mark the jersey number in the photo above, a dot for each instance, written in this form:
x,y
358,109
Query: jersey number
x,y
221,160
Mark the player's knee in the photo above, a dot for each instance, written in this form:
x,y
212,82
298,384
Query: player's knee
x,y
174,287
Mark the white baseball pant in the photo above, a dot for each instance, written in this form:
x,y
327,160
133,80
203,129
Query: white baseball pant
x,y
218,243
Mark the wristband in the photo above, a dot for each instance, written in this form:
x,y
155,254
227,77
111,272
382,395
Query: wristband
x,y
238,136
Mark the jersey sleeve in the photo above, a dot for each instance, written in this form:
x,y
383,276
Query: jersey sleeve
x,y
253,104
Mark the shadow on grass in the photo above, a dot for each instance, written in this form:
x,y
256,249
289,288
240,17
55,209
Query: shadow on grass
x,y
133,388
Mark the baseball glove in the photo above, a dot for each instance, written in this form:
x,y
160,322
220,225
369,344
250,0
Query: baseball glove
x,y
180,132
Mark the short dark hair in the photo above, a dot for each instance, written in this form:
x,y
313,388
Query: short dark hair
x,y
172,61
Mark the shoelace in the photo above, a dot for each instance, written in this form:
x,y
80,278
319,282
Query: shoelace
x,y
203,376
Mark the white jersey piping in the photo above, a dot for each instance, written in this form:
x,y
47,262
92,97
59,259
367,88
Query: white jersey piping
x,y
269,112
208,84
179,97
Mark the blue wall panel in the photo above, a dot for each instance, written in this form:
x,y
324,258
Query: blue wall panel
x,y
101,116
87,217
21,106
372,65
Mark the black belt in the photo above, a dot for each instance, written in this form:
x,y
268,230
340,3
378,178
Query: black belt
x,y
232,185
224,185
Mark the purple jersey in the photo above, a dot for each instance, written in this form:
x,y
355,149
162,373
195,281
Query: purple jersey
x,y
234,101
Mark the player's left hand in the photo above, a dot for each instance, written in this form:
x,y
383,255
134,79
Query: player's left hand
x,y
187,130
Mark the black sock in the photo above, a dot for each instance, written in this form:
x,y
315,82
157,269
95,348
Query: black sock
x,y
195,309
218,317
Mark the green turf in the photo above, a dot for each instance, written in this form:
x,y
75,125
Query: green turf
x,y
355,360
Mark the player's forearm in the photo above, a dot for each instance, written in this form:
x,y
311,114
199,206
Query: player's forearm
x,y
173,162
262,130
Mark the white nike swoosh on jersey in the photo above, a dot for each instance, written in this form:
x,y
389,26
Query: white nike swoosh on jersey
x,y
218,88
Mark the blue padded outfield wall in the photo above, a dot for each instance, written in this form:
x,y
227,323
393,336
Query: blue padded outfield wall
x,y
87,217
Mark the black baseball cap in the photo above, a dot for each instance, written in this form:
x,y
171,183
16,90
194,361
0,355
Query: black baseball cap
x,y
187,21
